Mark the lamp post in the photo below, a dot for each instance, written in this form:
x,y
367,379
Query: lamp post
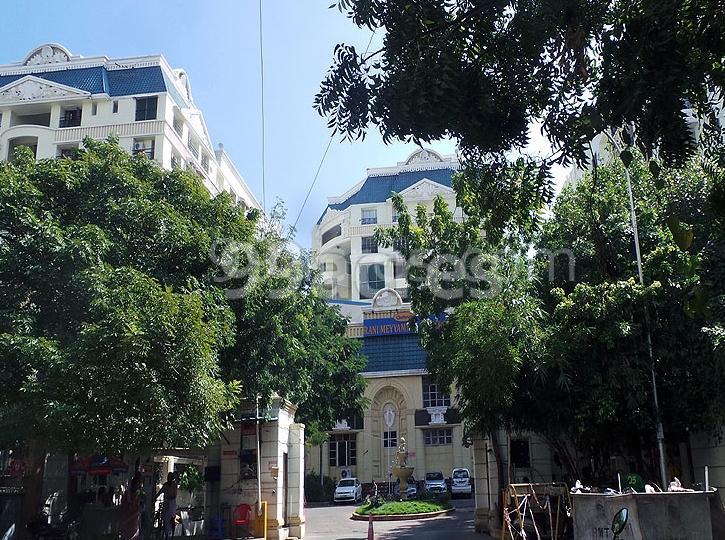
x,y
658,419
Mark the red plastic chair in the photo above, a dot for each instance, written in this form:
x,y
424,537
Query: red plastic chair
x,y
241,517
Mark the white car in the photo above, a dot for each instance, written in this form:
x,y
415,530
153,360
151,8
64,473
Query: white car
x,y
435,484
348,490
461,482
411,492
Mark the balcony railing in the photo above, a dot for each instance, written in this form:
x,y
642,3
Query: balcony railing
x,y
132,129
70,121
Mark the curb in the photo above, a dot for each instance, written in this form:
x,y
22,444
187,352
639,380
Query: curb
x,y
402,517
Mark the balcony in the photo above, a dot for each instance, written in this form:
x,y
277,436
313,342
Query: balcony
x,y
133,129
70,119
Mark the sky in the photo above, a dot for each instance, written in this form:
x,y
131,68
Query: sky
x,y
217,43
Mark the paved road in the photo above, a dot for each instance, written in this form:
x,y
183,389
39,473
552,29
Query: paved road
x,y
334,523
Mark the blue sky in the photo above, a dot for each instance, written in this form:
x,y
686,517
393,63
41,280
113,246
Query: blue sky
x,y
217,43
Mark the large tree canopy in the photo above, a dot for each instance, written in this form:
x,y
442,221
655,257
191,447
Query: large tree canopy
x,y
481,70
117,328
566,356
484,71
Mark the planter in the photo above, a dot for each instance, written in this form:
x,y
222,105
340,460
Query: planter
x,y
402,517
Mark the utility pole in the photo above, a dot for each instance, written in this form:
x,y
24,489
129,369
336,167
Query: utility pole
x,y
658,418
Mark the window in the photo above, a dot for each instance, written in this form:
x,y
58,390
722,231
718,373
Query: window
x,y
329,234
520,457
343,450
192,145
144,146
369,216
399,245
175,161
395,216
369,245
94,109
390,439
146,108
205,162
399,270
114,109
178,126
372,279
70,118
433,396
438,437
1,119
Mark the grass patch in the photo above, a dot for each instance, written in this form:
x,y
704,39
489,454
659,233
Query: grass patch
x,y
397,508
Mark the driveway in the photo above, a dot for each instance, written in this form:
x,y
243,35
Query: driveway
x,y
334,523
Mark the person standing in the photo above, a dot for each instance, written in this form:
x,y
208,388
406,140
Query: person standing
x,y
130,510
169,489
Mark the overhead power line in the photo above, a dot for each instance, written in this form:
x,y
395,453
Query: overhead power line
x,y
261,69
324,154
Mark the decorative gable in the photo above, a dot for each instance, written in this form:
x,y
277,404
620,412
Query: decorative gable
x,y
32,88
50,53
425,190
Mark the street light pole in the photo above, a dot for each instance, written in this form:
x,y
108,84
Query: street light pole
x,y
658,422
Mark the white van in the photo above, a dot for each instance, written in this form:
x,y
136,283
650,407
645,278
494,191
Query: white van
x,y
461,482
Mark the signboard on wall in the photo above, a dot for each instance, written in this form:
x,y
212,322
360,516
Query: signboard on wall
x,y
388,326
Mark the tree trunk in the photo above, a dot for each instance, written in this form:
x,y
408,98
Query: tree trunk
x,y
73,508
493,435
35,455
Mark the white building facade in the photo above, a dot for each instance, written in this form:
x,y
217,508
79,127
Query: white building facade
x,y
353,266
368,283
51,100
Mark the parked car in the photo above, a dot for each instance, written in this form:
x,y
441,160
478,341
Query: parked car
x,y
348,490
435,484
412,491
461,482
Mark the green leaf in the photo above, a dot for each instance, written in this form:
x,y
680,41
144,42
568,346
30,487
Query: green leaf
x,y
683,236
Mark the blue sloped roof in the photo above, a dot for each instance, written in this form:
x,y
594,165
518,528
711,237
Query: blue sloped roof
x,y
144,80
97,80
392,353
377,189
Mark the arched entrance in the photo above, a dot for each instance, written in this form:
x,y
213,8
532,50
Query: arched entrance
x,y
388,415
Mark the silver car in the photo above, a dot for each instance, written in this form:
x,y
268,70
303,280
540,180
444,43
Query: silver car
x,y
435,484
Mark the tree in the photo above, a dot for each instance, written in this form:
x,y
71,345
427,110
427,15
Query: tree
x,y
483,71
289,337
478,317
118,332
604,313
568,358
111,325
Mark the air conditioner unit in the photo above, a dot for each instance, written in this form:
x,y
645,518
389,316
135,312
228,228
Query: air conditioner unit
x,y
346,473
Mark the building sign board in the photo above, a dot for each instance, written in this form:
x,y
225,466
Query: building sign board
x,y
388,326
